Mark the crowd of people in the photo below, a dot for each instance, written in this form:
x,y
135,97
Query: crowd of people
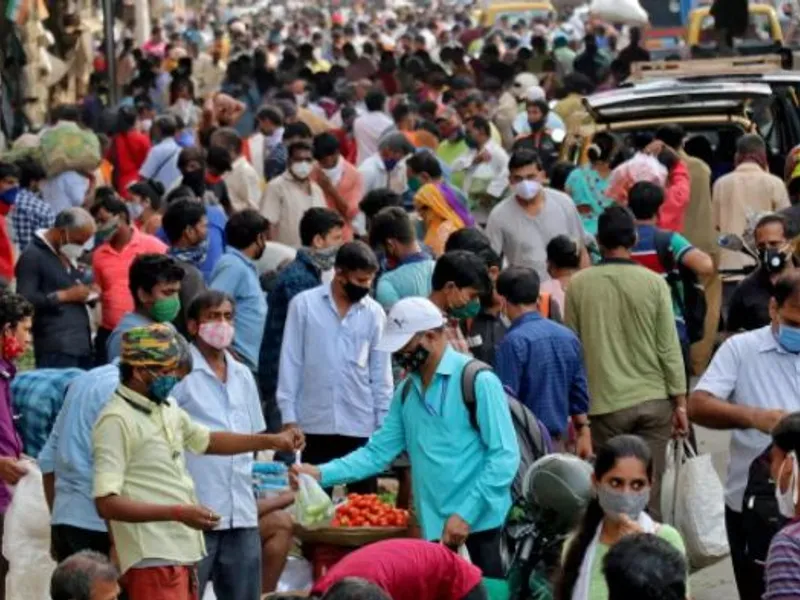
x,y
303,234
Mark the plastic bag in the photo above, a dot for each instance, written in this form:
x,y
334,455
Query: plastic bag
x,y
628,12
67,147
642,167
297,576
693,501
313,507
26,541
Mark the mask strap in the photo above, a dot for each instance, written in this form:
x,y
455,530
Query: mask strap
x,y
793,481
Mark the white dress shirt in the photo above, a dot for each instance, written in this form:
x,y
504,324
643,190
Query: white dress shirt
x,y
332,380
367,130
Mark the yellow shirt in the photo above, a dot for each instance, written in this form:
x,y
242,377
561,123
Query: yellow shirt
x,y
138,453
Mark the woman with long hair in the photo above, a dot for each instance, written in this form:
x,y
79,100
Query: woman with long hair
x,y
588,184
623,478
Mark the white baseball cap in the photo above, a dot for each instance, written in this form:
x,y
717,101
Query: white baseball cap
x,y
407,318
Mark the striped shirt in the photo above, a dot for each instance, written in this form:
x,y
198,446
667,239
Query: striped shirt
x,y
782,573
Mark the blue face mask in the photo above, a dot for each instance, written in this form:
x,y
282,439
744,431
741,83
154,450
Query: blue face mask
x,y
161,387
789,338
10,196
390,164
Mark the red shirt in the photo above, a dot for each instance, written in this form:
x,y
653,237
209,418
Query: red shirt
x,y
676,198
127,155
407,570
6,249
111,274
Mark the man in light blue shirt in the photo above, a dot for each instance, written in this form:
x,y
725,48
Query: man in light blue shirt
x,y
161,163
236,275
221,394
411,269
461,475
67,465
333,382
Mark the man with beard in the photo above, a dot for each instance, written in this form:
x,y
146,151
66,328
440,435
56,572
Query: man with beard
x,y
235,274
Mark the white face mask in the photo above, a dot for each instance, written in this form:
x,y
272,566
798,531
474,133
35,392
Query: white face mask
x,y
301,169
72,252
788,499
300,99
526,190
135,210
334,174
145,125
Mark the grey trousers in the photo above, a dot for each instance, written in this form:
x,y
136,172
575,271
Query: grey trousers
x,y
232,564
651,421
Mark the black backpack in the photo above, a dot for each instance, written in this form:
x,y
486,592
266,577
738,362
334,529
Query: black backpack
x,y
693,302
532,437
761,519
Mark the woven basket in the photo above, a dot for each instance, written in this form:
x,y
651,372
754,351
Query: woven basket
x,y
349,537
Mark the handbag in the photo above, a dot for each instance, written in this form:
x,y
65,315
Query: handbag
x,y
693,501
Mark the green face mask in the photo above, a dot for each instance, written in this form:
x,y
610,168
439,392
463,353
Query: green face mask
x,y
414,184
166,309
469,311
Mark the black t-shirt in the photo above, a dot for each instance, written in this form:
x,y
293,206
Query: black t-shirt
x,y
749,308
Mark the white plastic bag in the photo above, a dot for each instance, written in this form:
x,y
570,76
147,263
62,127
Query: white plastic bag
x,y
297,576
26,540
628,12
693,501
313,507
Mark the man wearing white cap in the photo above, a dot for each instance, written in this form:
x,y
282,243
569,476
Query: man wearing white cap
x,y
461,474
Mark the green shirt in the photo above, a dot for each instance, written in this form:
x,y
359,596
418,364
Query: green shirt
x,y
448,152
598,589
622,313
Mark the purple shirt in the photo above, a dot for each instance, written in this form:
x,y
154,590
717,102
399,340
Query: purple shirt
x,y
782,573
10,442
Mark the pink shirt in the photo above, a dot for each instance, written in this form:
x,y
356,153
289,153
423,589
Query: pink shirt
x,y
406,569
111,274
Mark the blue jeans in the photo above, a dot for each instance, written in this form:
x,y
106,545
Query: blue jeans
x,y
232,564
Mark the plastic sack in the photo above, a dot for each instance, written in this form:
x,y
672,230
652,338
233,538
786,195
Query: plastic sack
x,y
313,507
67,147
628,12
26,541
693,501
297,576
642,167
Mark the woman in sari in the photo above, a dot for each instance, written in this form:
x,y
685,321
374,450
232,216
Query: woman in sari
x,y
441,207
588,184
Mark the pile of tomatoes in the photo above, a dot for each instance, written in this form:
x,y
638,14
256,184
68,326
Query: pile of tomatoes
x,y
368,511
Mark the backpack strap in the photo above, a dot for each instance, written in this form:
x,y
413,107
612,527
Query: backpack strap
x,y
663,241
468,376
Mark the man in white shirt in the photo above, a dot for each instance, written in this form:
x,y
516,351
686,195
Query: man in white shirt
x,y
242,181
369,128
749,387
333,383
387,167
290,195
484,167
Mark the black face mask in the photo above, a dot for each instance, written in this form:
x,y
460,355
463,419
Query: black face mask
x,y
771,260
536,126
413,359
355,292
196,181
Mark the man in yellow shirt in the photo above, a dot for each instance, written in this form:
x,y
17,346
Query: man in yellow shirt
x,y
141,485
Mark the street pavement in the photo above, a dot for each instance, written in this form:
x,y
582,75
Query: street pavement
x,y
715,582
